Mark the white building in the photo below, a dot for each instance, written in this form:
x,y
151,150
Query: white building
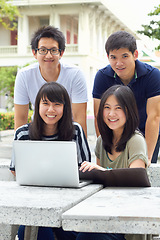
x,y
85,24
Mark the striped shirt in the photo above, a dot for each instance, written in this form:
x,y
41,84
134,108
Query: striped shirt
x,y
83,152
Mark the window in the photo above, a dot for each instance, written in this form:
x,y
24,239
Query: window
x,y
14,37
44,21
68,37
75,38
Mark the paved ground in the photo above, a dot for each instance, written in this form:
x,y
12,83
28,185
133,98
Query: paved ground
x,y
6,138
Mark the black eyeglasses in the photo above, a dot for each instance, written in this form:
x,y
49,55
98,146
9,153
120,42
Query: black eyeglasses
x,y
44,51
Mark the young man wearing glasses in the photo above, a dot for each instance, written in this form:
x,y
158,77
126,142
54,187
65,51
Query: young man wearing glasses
x,y
48,46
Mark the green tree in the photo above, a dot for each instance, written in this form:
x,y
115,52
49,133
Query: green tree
x,y
8,15
153,29
7,80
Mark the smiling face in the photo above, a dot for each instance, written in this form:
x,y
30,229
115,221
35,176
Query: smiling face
x,y
51,113
114,115
122,62
48,61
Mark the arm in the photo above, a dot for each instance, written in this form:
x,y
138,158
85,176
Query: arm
x,y
152,124
83,151
138,163
14,173
79,111
21,115
22,133
88,166
96,103
136,150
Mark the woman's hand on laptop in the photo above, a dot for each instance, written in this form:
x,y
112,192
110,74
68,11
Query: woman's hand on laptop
x,y
88,166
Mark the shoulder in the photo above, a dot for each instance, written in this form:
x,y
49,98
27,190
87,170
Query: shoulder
x,y
71,74
22,133
99,140
146,69
99,149
136,148
148,83
78,131
137,138
103,80
106,71
99,144
30,68
77,127
69,67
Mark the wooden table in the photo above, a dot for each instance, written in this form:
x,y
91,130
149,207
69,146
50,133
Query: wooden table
x,y
117,210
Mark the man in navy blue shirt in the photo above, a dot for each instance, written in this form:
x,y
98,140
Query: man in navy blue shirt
x,y
143,79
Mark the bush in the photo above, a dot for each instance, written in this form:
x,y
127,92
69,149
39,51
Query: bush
x,y
7,120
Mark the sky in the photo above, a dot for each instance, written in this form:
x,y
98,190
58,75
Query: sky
x,y
133,12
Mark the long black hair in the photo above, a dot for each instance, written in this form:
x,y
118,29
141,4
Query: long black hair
x,y
54,92
126,100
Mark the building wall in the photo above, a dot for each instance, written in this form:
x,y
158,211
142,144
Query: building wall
x,y
5,40
86,27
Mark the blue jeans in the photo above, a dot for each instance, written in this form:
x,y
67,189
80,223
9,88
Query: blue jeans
x,y
68,235
43,233
100,236
47,234
64,235
156,151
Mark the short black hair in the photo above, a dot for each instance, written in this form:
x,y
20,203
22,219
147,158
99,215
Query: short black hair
x,y
48,32
121,39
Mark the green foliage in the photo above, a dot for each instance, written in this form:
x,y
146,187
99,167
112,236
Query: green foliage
x,y
7,120
9,12
153,29
7,80
155,12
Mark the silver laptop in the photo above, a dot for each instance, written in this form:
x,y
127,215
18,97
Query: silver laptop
x,y
47,163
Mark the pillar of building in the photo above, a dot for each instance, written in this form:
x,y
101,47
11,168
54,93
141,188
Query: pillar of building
x,y
99,34
54,19
83,30
23,35
104,36
93,39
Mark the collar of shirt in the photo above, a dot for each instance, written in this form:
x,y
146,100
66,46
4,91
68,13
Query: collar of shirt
x,y
50,138
118,80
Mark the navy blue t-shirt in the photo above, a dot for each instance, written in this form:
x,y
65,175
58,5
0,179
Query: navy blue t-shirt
x,y
145,84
